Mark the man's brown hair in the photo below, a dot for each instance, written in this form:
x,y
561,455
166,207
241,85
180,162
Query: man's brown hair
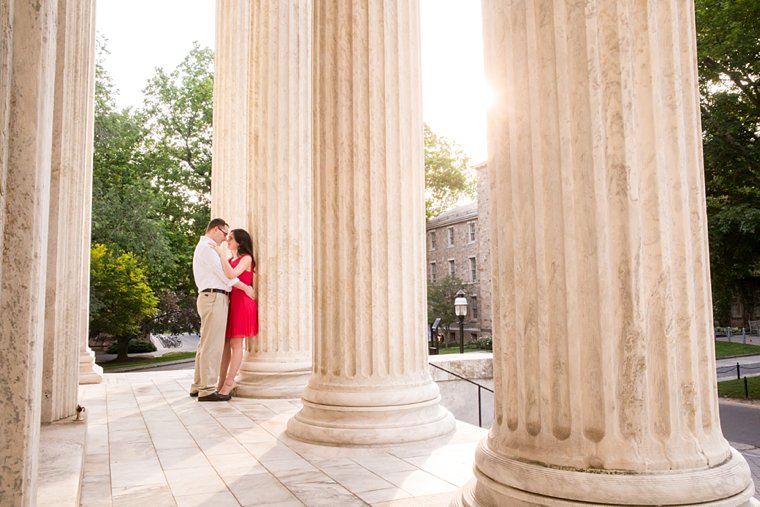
x,y
216,222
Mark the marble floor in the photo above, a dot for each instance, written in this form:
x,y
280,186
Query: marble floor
x,y
149,443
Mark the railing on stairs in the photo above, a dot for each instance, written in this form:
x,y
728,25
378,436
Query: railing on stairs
x,y
480,387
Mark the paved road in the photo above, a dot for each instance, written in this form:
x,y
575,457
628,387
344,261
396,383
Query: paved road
x,y
741,426
740,423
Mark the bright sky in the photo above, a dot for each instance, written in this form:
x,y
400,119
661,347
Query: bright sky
x,y
145,34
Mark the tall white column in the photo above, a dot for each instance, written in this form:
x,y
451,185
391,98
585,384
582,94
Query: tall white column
x,y
370,382
603,355
277,362
27,69
229,171
64,329
89,372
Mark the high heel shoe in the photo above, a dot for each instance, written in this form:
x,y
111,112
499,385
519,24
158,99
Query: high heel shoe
x,y
232,388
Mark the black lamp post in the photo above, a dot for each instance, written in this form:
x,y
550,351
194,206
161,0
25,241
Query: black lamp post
x,y
460,309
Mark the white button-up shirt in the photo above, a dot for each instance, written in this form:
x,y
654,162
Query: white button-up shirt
x,y
207,267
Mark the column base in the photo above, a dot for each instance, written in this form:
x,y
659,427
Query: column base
x,y
89,371
369,417
261,379
503,481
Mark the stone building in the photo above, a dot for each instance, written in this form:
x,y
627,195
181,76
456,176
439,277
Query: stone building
x,y
598,237
457,246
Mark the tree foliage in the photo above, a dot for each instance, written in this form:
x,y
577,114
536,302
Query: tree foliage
x,y
152,180
728,38
125,206
120,298
440,299
446,174
178,110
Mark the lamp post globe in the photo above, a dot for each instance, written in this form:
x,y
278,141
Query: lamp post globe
x,y
460,309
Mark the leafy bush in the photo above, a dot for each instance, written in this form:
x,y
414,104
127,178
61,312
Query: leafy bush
x,y
135,346
120,297
482,343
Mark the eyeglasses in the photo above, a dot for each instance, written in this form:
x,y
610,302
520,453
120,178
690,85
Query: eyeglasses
x,y
223,231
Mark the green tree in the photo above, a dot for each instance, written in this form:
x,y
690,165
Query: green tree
x,y
728,42
178,113
120,298
179,110
440,300
446,174
151,180
125,212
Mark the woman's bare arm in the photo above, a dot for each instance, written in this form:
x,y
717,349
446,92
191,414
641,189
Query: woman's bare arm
x,y
243,265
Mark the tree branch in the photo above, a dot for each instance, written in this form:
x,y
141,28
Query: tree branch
x,y
737,78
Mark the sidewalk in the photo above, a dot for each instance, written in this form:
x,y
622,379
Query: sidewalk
x,y
739,338
149,443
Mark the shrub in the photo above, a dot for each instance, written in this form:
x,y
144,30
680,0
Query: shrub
x,y
135,347
483,343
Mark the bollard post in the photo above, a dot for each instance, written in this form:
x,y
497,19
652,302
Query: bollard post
x,y
746,389
738,372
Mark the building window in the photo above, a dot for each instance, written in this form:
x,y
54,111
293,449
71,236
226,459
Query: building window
x,y
452,268
473,270
432,272
474,307
451,236
432,240
472,232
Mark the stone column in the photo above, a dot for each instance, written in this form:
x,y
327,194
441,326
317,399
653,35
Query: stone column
x,y
27,69
229,181
89,372
603,355
370,383
64,329
277,362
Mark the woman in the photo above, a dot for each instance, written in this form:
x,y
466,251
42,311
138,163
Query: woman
x,y
242,320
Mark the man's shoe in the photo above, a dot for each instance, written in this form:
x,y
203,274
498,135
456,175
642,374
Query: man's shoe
x,y
215,397
194,395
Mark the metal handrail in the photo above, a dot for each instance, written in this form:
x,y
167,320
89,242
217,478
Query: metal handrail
x,y
480,386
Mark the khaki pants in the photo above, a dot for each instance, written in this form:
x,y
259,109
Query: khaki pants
x,y
212,308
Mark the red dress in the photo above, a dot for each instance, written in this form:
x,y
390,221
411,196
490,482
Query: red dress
x,y
243,316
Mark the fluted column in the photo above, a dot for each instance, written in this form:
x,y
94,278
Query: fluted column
x,y
89,372
65,330
370,382
27,69
603,355
229,171
277,362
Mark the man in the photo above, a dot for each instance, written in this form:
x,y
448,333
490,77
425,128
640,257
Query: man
x,y
213,301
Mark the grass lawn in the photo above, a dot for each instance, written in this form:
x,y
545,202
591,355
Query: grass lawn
x,y
735,388
725,349
144,361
